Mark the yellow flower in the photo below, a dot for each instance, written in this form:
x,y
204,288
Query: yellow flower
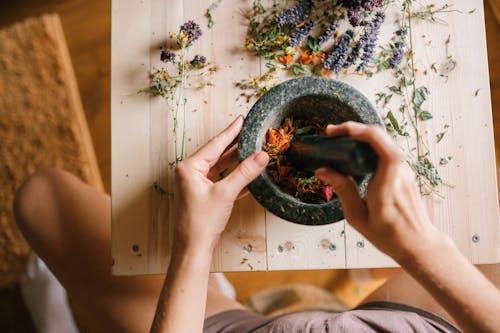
x,y
281,40
250,45
290,51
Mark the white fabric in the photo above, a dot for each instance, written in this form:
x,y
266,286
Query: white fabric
x,y
46,299
225,287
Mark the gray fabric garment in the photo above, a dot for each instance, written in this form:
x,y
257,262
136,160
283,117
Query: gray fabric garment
x,y
371,317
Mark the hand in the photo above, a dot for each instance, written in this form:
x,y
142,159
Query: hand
x,y
203,205
392,215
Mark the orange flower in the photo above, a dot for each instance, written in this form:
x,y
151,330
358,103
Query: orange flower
x,y
306,58
319,55
286,59
325,72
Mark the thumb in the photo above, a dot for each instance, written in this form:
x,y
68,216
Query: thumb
x,y
355,210
246,171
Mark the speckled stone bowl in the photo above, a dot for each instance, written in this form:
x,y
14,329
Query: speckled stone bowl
x,y
329,100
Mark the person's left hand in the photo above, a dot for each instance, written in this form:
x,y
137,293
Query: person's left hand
x,y
204,205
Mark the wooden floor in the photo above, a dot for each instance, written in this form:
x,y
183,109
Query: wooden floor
x,y
86,24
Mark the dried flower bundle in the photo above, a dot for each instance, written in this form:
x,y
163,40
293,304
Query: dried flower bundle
x,y
179,73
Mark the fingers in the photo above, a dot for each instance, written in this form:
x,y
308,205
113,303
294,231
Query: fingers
x,y
355,210
227,160
211,152
246,171
375,135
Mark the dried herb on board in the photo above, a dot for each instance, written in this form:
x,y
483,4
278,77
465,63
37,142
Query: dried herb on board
x,y
300,184
210,11
326,38
180,72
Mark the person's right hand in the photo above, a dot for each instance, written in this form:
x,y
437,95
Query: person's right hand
x,y
392,215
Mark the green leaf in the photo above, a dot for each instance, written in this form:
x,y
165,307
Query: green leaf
x,y
270,65
395,89
395,125
420,96
387,99
426,169
424,115
313,45
157,187
440,136
301,69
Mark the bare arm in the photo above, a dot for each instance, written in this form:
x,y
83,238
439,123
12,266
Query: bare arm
x,y
392,216
471,299
203,209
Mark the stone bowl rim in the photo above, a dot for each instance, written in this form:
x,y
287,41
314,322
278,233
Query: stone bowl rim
x,y
259,115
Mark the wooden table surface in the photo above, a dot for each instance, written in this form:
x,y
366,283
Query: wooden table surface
x,y
141,143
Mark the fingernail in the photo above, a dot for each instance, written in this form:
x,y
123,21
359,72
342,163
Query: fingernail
x,y
261,158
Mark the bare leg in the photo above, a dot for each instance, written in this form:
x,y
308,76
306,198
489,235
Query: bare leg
x,y
402,288
67,223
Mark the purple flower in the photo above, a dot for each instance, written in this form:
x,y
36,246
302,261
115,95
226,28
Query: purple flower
x,y
198,61
339,53
299,35
369,40
297,13
368,5
354,55
192,30
356,18
328,33
402,32
167,56
397,54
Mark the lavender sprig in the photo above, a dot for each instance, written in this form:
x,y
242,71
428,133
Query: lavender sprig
x,y
354,55
198,61
167,56
299,35
397,54
328,33
192,30
369,39
339,53
356,18
297,13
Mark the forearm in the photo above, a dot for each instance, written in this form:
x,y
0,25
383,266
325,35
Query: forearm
x,y
181,306
472,300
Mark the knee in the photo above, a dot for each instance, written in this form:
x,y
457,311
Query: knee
x,y
35,197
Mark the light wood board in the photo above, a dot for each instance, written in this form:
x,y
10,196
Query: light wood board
x,y
142,142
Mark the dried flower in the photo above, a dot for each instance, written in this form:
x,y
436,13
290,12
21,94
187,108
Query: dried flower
x,y
198,61
294,14
299,35
397,54
354,54
369,39
339,53
192,30
368,5
356,18
402,32
167,56
326,192
286,59
328,33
